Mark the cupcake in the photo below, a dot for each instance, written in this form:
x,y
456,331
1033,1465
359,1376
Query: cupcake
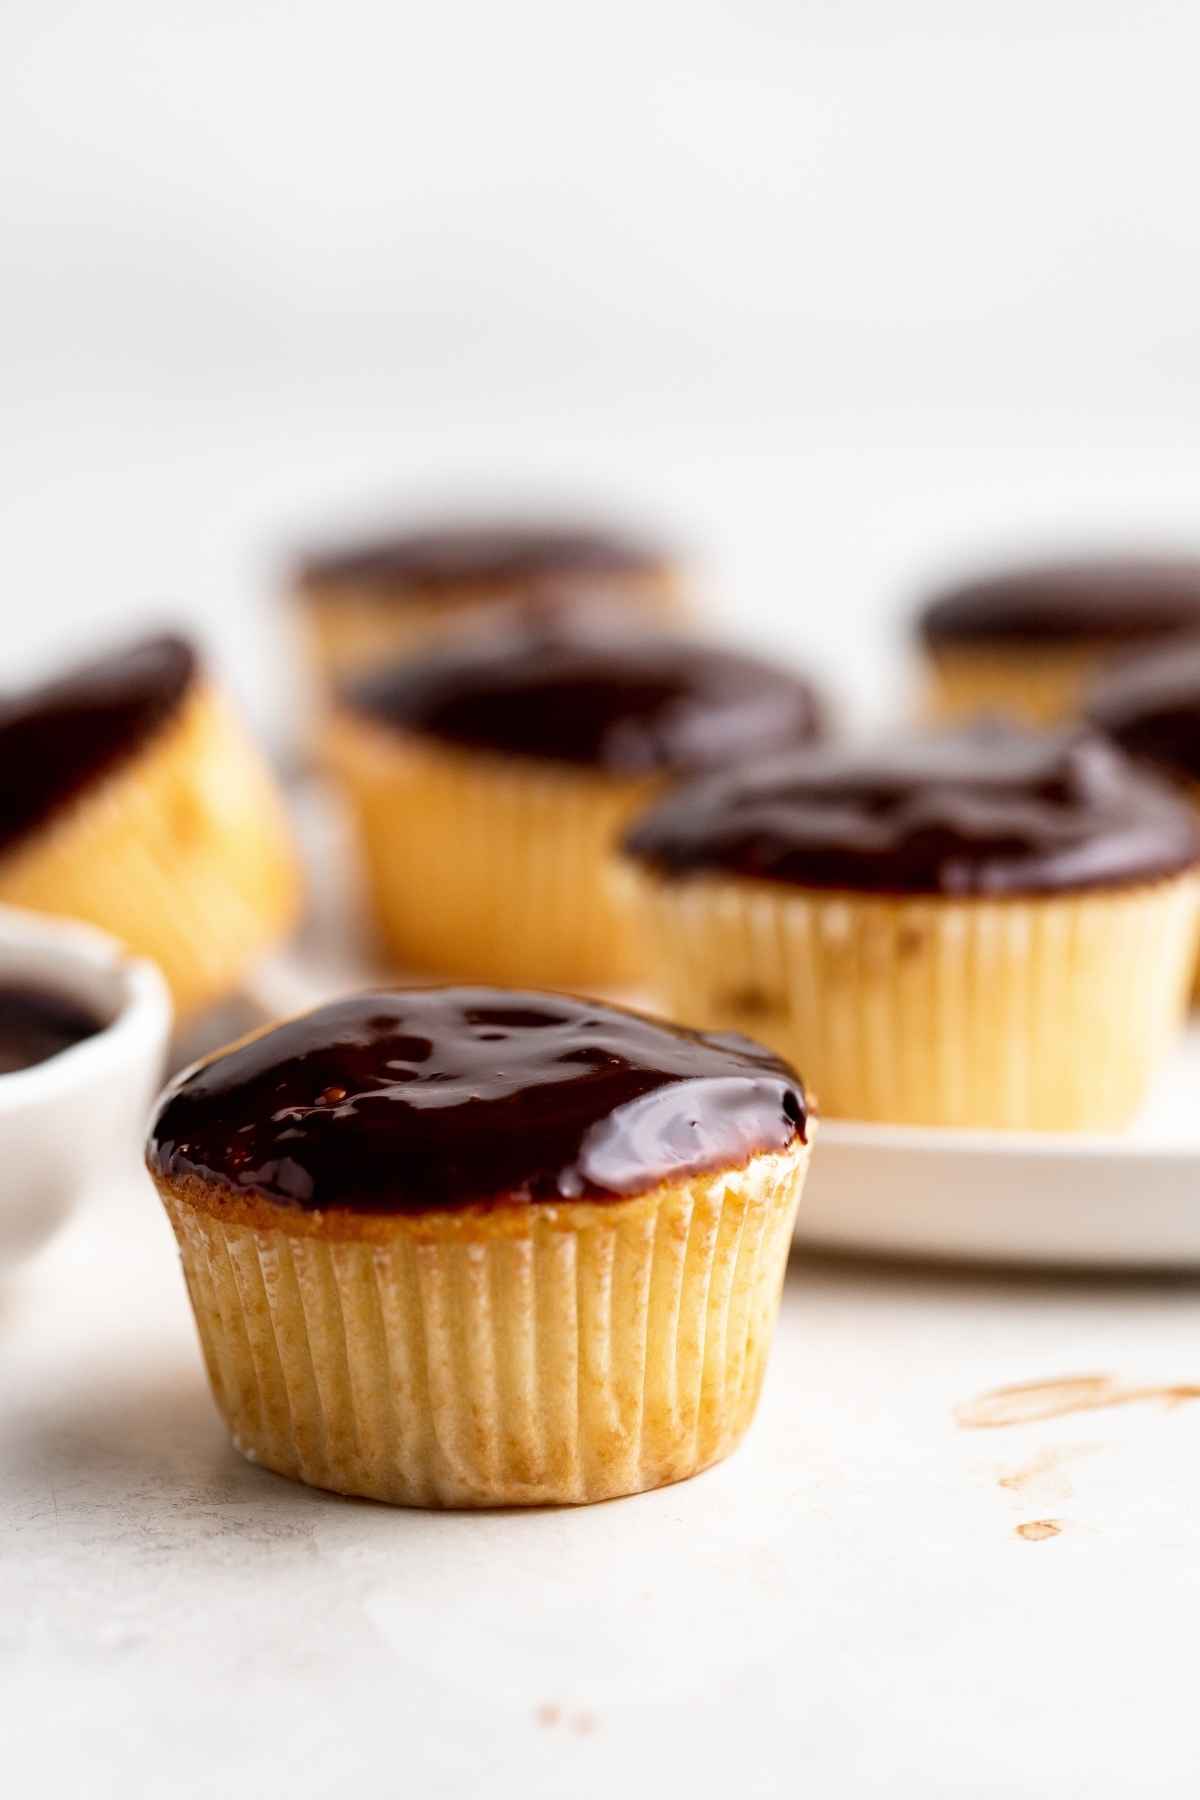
x,y
991,927
471,1247
1028,642
376,601
1150,705
490,779
131,797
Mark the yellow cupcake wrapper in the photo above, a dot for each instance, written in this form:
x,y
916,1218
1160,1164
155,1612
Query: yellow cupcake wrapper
x,y
1040,684
488,866
182,852
1050,1013
563,1353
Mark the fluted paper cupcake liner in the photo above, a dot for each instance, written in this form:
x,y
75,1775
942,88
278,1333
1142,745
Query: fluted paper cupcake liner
x,y
519,1356
183,853
1041,684
1041,1014
489,866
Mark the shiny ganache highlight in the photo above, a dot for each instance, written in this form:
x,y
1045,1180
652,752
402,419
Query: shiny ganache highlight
x,y
408,1101
37,1023
1117,600
501,554
596,693
992,809
1150,705
57,738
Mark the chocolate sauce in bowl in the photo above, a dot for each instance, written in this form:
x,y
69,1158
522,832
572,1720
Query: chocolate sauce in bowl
x,y
410,1100
37,1023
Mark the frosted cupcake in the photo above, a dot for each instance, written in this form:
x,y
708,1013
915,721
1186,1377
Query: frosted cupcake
x,y
1028,642
374,602
130,796
467,1247
991,927
1150,705
490,780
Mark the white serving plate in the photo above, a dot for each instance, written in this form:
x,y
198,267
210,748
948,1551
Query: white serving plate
x,y
1125,1201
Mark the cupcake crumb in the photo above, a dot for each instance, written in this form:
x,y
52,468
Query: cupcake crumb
x,y
548,1714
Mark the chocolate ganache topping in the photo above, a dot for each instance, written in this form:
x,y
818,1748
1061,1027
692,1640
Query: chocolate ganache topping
x,y
505,555
1115,600
989,810
57,738
596,692
1151,706
409,1101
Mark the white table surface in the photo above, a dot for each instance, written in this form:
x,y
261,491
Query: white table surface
x,y
846,1607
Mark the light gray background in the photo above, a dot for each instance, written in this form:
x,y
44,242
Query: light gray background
x,y
844,292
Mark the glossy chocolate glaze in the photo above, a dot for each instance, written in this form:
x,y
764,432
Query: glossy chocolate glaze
x,y
1117,600
57,738
990,810
594,691
505,555
1150,705
37,1023
411,1101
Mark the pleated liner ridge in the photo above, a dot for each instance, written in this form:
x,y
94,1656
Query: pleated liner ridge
x,y
1041,1014
529,1355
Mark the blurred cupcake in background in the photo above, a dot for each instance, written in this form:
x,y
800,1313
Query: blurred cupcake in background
x,y
371,602
132,797
490,778
988,927
1027,642
1150,705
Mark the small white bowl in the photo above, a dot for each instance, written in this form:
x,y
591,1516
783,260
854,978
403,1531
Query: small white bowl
x,y
75,1122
